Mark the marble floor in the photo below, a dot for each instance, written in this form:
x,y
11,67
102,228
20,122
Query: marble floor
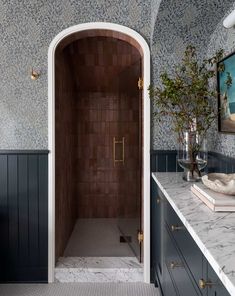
x,y
96,238
107,289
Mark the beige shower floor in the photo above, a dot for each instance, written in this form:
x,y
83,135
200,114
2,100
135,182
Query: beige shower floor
x,y
96,238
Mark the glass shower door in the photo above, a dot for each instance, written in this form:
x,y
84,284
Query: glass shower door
x,y
127,159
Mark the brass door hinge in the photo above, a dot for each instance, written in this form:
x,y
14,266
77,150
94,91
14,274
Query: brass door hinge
x,y
140,236
140,83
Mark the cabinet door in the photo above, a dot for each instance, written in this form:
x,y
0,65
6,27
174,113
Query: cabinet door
x,y
175,265
156,233
216,288
168,287
187,247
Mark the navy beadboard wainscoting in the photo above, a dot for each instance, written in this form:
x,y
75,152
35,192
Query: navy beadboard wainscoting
x,y
166,161
24,216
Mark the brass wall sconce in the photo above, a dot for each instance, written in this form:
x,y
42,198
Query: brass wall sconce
x,y
34,74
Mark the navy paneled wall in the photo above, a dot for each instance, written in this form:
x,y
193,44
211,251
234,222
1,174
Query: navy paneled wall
x,y
165,161
220,163
24,216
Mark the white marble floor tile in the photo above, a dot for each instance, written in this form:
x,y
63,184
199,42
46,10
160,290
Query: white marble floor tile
x,y
98,269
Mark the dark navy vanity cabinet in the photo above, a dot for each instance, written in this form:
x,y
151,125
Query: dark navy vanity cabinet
x,y
157,234
178,266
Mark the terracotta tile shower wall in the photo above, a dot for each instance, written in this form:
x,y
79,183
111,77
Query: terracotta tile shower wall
x,y
106,71
101,186
65,199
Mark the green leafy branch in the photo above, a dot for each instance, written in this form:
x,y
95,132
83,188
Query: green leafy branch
x,y
185,96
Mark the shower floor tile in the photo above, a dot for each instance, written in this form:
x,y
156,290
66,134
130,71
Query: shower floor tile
x,y
96,238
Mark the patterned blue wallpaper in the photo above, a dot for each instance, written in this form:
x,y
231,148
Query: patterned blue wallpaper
x,y
155,4
178,24
222,38
26,29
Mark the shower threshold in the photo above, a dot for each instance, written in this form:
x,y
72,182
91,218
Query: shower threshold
x,y
98,270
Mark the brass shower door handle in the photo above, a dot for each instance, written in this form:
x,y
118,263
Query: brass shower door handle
x,y
115,142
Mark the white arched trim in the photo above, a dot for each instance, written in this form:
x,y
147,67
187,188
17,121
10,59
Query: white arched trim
x,y
51,138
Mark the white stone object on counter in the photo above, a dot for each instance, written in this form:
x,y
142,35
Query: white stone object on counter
x,y
223,183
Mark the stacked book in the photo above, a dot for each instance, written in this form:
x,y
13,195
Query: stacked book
x,y
217,202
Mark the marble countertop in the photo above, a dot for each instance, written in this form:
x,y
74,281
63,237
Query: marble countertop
x,y
214,232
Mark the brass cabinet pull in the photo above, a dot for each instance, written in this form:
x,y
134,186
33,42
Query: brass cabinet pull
x,y
159,199
203,284
176,227
115,142
175,264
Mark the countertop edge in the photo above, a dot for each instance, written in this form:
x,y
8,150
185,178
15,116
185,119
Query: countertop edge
x,y
218,270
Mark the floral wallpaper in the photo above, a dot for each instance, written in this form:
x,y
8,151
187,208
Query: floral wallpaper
x,y
28,27
222,38
178,24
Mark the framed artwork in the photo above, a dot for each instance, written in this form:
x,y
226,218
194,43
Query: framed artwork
x,y
226,94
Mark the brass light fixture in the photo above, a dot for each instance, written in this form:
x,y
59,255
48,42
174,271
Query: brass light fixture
x,y
229,21
34,74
